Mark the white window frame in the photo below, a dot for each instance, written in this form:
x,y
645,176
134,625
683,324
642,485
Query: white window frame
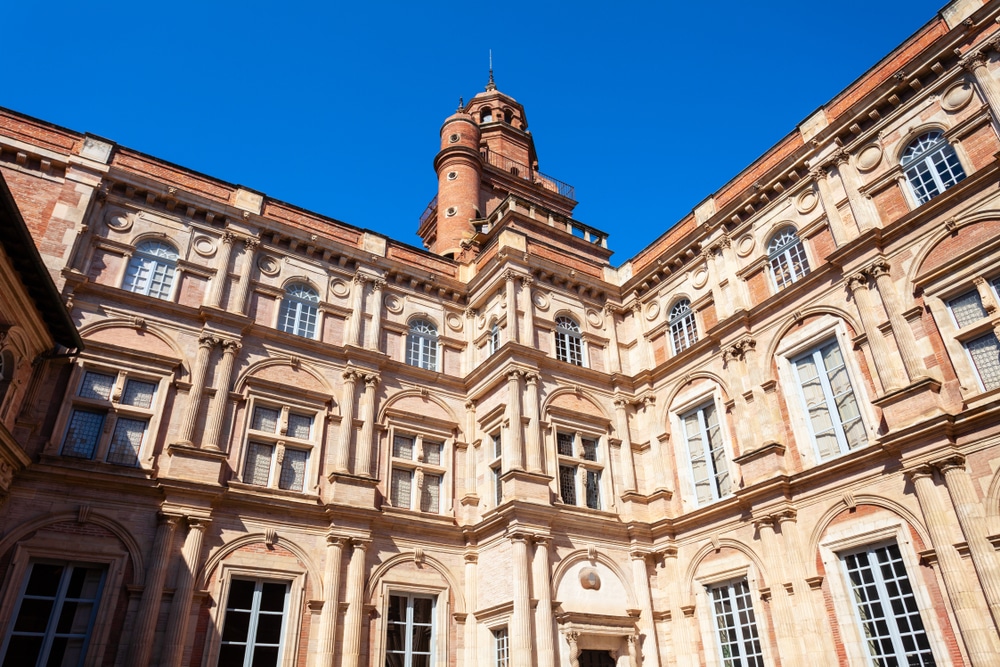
x,y
427,354
496,466
684,325
168,264
743,659
304,308
565,337
440,615
792,346
501,646
280,441
493,344
408,625
419,468
784,255
255,616
721,572
699,409
113,410
940,146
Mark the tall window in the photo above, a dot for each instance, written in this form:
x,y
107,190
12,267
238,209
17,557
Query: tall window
x,y
496,467
825,388
127,401
569,342
580,469
683,332
709,462
279,442
736,625
417,473
152,269
885,608
494,338
422,345
254,625
982,346
409,631
501,647
299,310
54,615
787,257
931,166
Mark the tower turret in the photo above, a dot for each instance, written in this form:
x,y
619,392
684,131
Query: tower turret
x,y
459,169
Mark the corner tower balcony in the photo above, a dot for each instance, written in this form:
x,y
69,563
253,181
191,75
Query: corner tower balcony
x,y
514,168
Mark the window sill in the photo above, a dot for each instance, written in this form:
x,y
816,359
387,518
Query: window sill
x,y
90,465
417,515
253,489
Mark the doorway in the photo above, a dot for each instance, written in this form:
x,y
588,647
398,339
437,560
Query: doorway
x,y
591,658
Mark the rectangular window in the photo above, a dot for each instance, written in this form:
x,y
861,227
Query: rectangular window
x,y
709,462
497,445
430,494
402,447
97,386
735,624
254,625
885,608
567,484
594,489
497,485
139,394
402,487
967,308
280,442
564,442
299,426
589,449
409,631
265,419
984,350
501,647
257,469
84,432
579,469
54,615
127,441
432,452
828,397
293,470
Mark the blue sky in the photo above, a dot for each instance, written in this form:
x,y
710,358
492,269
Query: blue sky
x,y
646,108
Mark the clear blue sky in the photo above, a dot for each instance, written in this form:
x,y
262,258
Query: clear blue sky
x,y
645,107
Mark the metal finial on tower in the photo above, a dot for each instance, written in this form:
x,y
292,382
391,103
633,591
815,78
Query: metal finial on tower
x,y
461,104
491,85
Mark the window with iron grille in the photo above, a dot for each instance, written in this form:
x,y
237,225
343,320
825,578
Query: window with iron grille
x,y
736,625
931,166
580,468
422,345
683,332
152,269
569,341
707,454
417,472
280,440
828,397
299,310
885,607
114,396
981,345
787,257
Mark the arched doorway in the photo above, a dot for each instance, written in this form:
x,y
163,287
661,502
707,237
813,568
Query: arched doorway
x,y
592,658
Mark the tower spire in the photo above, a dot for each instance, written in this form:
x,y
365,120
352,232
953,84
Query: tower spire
x,y
491,85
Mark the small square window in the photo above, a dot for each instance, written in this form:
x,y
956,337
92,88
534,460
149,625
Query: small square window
x,y
564,442
138,394
127,441
432,452
402,447
430,495
97,386
265,419
299,426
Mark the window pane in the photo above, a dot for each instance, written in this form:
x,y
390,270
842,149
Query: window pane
x,y
265,419
258,466
736,626
564,441
593,490
127,441
432,452
402,447
299,426
97,385
985,353
567,484
967,308
589,449
402,484
138,394
293,470
430,497
83,433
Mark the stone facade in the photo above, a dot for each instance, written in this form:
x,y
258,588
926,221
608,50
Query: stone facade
x,y
772,437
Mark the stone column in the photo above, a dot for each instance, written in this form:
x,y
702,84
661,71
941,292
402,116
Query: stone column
x,y
610,324
331,600
528,306
645,354
152,592
180,608
514,418
885,363
246,274
366,441
970,612
789,646
640,577
628,461
520,631
357,309
905,340
197,390
864,212
217,409
471,603
343,454
974,526
375,336
837,227
975,63
534,439
572,638
542,580
355,603
222,270
471,351
733,358
511,302
659,474
470,451
713,286
738,290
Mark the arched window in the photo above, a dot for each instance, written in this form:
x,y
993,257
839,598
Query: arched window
x,y
931,166
787,257
683,333
569,342
299,310
486,115
152,269
422,345
494,337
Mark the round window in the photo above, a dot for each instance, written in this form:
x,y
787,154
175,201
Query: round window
x,y
454,138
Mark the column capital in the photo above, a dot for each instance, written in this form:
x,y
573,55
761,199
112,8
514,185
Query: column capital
x,y
231,346
334,539
531,378
198,522
251,243
361,543
470,312
857,281
621,402
973,61
228,237
784,516
839,157
921,471
527,281
207,341
878,268
954,462
378,284
360,278
371,379
639,553
610,309
470,557
351,375
166,519
510,275
818,173
514,374
516,535
764,522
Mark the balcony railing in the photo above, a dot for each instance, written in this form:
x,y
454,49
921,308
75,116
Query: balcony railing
x,y
515,168
428,212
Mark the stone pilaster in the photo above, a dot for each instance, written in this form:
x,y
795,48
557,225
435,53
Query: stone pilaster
x,y
861,207
645,353
611,326
221,270
528,306
355,603
837,227
511,302
628,461
472,603
197,390
217,409
544,625
331,599
516,444
375,335
152,592
734,359
975,64
240,304
534,434
885,363
520,631
640,578
366,439
357,309
790,647
905,340
180,608
343,452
